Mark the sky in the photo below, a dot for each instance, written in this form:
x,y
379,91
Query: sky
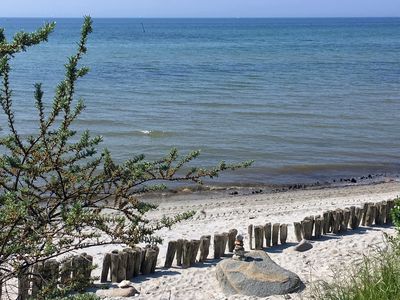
x,y
200,8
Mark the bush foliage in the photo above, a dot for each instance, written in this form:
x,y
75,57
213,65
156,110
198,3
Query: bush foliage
x,y
57,193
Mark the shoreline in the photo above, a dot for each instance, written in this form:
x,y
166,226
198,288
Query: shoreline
x,y
217,191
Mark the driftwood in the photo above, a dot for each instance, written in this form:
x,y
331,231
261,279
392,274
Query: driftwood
x,y
268,234
283,233
298,231
275,234
231,239
169,257
205,241
258,237
250,232
179,251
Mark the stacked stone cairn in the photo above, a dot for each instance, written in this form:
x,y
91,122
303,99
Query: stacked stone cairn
x,y
238,251
340,220
51,273
272,233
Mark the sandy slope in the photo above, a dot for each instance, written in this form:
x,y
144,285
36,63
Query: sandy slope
x,y
220,215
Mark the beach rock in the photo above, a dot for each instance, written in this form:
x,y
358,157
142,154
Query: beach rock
x,y
124,284
126,292
303,246
258,275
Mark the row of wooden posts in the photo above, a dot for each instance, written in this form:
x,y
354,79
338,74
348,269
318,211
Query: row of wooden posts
x,y
52,273
339,220
128,263
271,233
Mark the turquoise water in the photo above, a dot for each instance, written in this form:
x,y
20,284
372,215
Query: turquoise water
x,y
305,98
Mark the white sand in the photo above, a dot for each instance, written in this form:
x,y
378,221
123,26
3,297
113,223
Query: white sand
x,y
331,252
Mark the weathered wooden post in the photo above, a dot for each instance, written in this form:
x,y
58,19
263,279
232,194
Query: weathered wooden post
x,y
195,249
259,237
359,213
268,234
318,227
169,257
218,245
226,238
353,217
370,215
179,251
66,271
23,285
231,241
383,212
50,274
205,241
114,265
250,232
325,228
123,262
331,221
130,264
137,259
390,206
275,234
298,231
345,220
37,279
307,228
364,213
154,262
105,268
337,220
377,218
150,260
283,233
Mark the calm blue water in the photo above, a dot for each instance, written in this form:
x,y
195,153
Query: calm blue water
x,y
305,98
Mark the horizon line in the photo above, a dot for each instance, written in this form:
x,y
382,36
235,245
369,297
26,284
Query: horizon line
x,y
136,17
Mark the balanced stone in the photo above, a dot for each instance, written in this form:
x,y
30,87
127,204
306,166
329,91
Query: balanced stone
x,y
257,275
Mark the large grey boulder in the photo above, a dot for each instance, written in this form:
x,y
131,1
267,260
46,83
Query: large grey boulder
x,y
258,275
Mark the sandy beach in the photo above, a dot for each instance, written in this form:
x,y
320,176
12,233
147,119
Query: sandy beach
x,y
329,254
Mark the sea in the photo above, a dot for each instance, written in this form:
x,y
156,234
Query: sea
x,y
306,98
